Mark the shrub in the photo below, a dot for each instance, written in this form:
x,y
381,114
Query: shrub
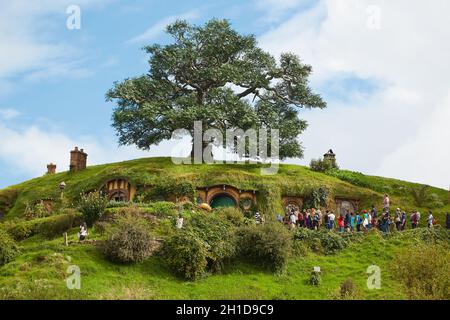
x,y
315,278
8,248
92,206
424,272
348,289
7,199
233,215
322,241
21,230
186,254
129,241
57,225
321,165
218,234
100,227
331,241
317,198
268,245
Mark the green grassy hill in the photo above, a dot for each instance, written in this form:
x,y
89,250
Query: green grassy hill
x,y
40,270
290,179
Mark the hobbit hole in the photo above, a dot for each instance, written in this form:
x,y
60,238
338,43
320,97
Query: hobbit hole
x,y
119,190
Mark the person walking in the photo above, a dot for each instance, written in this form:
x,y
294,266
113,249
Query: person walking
x,y
352,222
341,223
403,221
430,220
414,220
331,218
398,219
358,222
386,202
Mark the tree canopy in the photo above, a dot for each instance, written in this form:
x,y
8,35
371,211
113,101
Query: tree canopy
x,y
215,75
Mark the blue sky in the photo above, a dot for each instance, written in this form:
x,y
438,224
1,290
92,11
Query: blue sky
x,y
53,80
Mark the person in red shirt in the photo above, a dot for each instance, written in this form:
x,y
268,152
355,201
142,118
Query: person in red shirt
x,y
341,223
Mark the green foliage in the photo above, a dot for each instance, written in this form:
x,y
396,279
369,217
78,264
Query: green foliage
x,y
424,272
8,248
217,233
167,188
49,226
7,199
321,165
189,81
210,239
419,194
129,241
56,225
268,245
317,198
315,278
328,242
36,210
348,290
233,215
359,179
92,206
186,254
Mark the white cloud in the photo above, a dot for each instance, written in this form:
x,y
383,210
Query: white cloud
x,y
157,29
29,150
395,129
26,46
8,113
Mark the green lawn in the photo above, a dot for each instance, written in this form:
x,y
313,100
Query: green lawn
x,y
40,272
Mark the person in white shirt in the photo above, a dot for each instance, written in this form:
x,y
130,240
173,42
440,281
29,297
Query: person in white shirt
x,y
179,223
430,220
331,218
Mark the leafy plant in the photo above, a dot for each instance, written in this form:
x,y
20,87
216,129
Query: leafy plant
x,y
8,248
268,245
129,241
317,198
186,254
92,206
315,278
424,272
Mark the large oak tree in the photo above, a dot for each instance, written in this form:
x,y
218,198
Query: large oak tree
x,y
213,74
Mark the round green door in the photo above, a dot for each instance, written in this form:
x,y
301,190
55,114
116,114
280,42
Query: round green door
x,y
222,201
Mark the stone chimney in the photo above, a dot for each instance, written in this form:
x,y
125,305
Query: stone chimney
x,y
330,156
78,160
51,168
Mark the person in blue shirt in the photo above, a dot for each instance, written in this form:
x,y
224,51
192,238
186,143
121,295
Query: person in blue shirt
x,y
352,222
358,222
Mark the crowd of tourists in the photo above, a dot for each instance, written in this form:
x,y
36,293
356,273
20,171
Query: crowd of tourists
x,y
347,221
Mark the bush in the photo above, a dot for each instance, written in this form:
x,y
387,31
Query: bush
x,y
268,245
92,206
321,165
348,289
331,241
424,272
186,254
8,248
328,242
129,241
56,225
233,215
315,278
22,230
7,199
218,234
317,198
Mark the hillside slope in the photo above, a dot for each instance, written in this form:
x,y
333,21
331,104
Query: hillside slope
x,y
290,179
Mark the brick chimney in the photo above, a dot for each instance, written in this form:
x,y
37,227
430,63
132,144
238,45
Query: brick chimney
x,y
78,160
51,168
